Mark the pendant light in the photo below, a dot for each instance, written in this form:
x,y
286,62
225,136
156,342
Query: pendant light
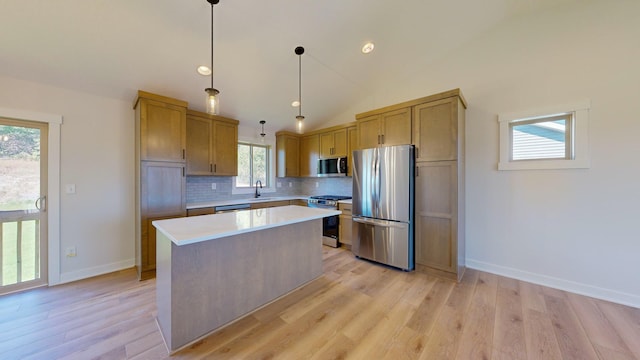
x,y
213,105
262,134
299,123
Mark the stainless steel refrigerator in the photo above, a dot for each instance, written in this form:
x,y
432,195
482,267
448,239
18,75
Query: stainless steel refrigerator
x,y
383,200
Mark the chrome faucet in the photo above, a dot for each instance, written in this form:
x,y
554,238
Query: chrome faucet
x,y
258,189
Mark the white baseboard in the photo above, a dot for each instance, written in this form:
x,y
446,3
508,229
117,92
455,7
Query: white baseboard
x,y
557,283
95,271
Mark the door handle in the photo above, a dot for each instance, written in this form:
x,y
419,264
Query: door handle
x,y
41,203
383,223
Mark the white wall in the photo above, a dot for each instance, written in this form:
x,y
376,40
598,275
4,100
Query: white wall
x,y
573,229
97,142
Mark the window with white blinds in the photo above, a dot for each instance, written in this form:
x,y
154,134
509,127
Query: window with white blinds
x,y
544,138
554,138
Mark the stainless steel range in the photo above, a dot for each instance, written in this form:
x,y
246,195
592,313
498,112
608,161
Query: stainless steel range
x,y
329,224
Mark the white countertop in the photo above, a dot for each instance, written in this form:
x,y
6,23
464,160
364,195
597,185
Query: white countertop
x,y
251,200
349,201
190,230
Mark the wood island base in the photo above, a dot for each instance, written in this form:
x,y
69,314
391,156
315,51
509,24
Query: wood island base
x,y
206,285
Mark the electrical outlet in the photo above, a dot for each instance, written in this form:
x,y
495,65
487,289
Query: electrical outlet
x,y
71,251
290,184
213,186
279,184
70,188
317,184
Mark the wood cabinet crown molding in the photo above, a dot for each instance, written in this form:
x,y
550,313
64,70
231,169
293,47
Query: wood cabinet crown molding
x,y
319,131
211,117
414,102
156,97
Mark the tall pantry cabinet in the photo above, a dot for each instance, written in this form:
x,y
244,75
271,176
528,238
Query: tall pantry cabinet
x,y
160,126
438,135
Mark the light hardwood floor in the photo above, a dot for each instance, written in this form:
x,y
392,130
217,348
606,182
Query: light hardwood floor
x,y
357,310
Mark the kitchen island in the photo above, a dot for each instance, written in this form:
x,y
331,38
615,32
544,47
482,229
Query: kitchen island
x,y
213,269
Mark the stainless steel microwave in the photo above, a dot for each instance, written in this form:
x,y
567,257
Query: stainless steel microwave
x,y
332,167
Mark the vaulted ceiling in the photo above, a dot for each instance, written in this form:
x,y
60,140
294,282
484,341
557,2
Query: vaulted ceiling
x,y
115,47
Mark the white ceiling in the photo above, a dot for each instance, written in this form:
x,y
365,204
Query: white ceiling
x,y
115,47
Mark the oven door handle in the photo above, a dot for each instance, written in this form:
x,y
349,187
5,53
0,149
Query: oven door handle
x,y
378,222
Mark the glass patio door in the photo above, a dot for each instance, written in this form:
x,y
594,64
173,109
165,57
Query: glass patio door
x,y
23,205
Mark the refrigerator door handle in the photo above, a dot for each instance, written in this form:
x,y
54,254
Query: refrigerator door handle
x,y
376,222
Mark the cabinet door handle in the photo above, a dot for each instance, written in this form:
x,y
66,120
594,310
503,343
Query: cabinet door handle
x,y
183,171
210,167
215,168
382,139
417,171
184,155
417,153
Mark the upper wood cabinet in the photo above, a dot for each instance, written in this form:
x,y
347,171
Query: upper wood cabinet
x,y
435,130
385,128
199,145
352,136
309,155
212,145
287,154
225,147
161,127
333,144
297,155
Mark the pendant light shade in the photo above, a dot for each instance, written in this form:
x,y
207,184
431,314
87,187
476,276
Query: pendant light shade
x,y
213,104
212,101
299,119
299,124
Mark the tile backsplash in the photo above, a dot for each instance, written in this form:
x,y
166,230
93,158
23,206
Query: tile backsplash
x,y
199,188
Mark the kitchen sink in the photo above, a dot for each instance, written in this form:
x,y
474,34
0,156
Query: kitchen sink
x,y
263,198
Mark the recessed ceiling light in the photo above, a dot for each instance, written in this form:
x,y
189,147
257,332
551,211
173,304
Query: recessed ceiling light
x,y
204,70
295,103
367,48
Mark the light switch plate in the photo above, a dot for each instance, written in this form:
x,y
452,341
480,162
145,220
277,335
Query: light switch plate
x,y
70,188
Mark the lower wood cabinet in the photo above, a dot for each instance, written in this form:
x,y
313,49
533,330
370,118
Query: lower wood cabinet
x,y
439,218
148,246
162,196
268,204
345,224
299,202
201,211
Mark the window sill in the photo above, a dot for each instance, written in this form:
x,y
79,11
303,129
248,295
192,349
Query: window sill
x,y
544,165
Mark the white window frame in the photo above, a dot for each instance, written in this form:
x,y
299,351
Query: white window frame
x,y
272,168
580,143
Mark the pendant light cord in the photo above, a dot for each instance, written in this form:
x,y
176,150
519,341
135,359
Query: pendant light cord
x,y
212,45
300,84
